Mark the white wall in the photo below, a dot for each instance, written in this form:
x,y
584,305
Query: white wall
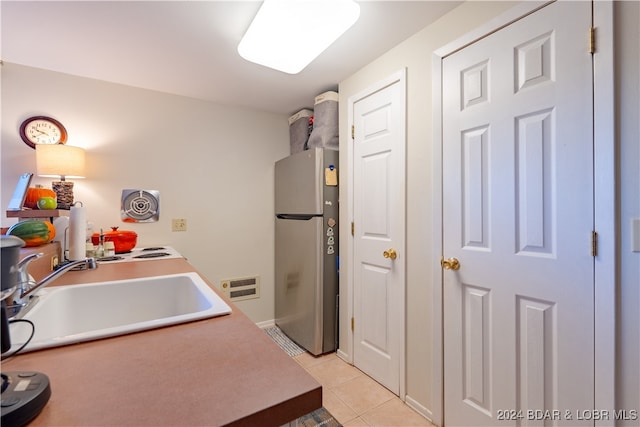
x,y
415,55
212,164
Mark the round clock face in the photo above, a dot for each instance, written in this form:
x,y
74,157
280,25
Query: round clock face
x,y
42,130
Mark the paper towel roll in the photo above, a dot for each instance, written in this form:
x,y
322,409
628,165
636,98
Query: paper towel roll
x,y
77,233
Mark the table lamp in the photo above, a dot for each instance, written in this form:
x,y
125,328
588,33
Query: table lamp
x,y
63,161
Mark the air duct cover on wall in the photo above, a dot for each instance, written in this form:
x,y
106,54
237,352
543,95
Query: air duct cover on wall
x,y
140,206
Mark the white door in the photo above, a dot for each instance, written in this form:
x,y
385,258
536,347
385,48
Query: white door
x,y
518,216
378,251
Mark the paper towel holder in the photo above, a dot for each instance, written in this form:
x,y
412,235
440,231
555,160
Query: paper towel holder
x,y
77,232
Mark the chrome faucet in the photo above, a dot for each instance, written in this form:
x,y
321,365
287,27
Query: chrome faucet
x,y
26,286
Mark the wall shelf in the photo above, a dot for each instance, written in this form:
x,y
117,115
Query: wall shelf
x,y
37,214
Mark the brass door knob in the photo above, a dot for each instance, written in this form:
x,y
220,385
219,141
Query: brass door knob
x,y
450,264
391,253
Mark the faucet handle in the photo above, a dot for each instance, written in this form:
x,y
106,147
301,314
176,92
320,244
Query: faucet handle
x,y
25,282
24,262
23,265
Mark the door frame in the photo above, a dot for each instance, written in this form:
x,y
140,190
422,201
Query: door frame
x,y
347,353
605,206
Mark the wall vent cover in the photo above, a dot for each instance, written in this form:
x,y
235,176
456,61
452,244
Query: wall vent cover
x,y
241,288
140,206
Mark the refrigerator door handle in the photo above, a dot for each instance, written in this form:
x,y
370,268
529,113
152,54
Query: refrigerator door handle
x,y
299,217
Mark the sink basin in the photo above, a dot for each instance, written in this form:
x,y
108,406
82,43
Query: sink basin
x,y
75,313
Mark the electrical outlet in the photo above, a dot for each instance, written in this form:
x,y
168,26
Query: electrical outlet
x,y
179,224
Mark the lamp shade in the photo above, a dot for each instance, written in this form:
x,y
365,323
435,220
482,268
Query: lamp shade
x,y
60,161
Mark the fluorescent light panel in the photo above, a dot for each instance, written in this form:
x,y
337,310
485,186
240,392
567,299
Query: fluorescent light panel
x,y
287,35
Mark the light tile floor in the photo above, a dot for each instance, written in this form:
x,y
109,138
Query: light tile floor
x,y
354,399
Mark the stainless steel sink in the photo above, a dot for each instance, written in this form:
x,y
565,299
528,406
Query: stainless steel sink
x,y
69,314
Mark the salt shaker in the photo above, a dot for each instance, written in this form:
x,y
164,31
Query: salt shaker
x,y
109,248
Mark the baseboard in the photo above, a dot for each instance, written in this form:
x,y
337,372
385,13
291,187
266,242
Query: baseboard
x,y
266,324
344,356
419,408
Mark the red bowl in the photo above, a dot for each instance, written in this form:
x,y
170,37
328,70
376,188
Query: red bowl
x,y
123,240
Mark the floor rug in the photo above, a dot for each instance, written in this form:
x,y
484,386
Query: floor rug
x,y
318,418
285,343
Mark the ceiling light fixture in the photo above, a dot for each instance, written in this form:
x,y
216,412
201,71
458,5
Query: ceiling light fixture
x,y
287,35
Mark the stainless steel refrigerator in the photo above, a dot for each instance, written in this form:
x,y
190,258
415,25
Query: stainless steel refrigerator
x,y
306,247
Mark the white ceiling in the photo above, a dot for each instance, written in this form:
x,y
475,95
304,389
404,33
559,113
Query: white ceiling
x,y
189,47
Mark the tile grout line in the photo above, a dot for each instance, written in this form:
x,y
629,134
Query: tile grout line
x,y
358,414
310,363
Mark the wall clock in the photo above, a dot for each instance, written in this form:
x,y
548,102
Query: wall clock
x,y
42,130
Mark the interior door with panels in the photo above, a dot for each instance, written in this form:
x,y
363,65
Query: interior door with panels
x,y
379,206
517,222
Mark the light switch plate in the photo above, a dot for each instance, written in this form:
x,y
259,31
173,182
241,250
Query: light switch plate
x,y
635,231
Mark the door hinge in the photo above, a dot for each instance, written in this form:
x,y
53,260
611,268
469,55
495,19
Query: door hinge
x,y
353,322
352,229
594,243
592,40
353,132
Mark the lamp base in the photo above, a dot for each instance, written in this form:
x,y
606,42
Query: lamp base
x,y
64,193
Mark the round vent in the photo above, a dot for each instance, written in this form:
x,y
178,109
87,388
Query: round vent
x,y
140,205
